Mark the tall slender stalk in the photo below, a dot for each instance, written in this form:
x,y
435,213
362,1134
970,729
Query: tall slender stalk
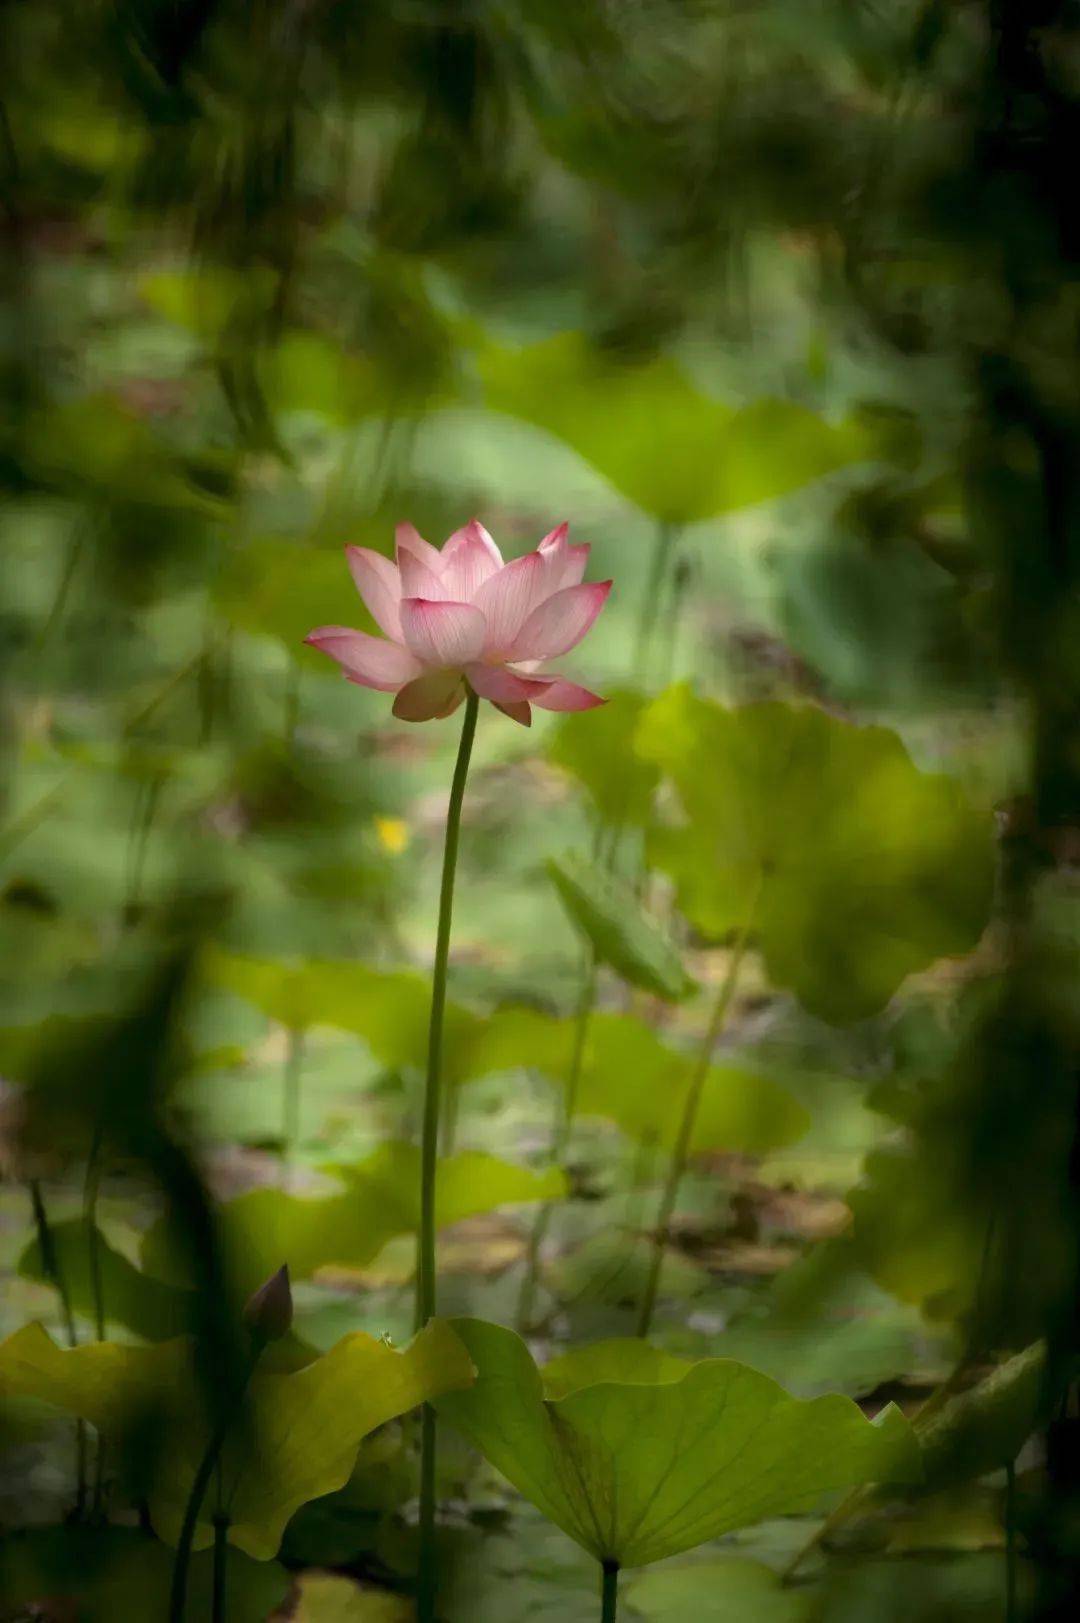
x,y
50,1264
560,1138
609,1591
685,1134
425,1250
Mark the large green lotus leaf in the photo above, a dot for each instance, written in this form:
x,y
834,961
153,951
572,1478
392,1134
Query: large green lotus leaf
x,y
602,758
854,867
678,453
644,1462
302,1427
380,1199
152,1309
118,1575
633,1078
389,1009
612,919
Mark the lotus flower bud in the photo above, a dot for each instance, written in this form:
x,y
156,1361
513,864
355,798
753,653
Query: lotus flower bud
x,y
269,1311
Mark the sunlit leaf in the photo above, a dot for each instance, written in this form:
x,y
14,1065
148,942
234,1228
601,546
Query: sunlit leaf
x,y
675,451
611,917
301,1431
379,1199
853,867
657,1457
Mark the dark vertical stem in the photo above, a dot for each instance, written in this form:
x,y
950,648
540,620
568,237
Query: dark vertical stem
x,y
221,1557
609,1591
429,1149
685,1133
50,1263
560,1139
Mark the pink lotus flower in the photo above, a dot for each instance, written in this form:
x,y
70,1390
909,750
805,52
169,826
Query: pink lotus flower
x,y
462,616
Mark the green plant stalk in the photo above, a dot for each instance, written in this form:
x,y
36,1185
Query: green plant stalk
x,y
609,1591
425,1251
684,1137
200,1483
560,1138
221,1556
50,1263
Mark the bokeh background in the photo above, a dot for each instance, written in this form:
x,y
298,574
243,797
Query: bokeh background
x,y
777,304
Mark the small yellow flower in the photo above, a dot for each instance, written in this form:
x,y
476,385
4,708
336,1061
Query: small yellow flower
x,y
393,834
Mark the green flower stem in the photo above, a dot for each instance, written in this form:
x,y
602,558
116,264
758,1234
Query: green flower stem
x,y
560,1140
50,1263
199,1485
221,1556
685,1134
609,1591
425,1253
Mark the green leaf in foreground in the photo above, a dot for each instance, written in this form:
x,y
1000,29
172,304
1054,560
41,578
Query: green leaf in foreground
x,y
852,867
608,913
637,1455
378,1200
296,1437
